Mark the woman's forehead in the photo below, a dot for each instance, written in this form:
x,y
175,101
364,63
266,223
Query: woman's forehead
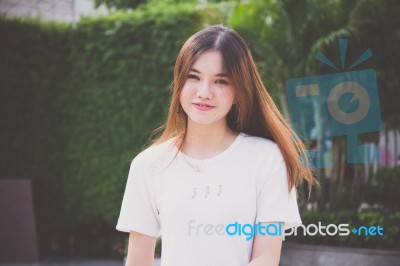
x,y
210,61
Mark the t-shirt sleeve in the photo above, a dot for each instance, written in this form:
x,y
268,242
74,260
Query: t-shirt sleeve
x,y
275,202
138,211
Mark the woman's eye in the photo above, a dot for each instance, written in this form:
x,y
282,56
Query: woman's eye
x,y
191,76
221,81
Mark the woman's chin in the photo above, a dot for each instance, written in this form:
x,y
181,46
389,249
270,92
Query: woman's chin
x,y
204,122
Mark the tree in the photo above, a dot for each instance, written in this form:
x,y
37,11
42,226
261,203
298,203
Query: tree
x,y
285,37
119,4
132,4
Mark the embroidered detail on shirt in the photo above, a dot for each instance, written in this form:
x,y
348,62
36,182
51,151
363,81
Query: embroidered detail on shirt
x,y
194,192
207,191
219,190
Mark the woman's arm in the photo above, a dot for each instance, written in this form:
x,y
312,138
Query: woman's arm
x,y
266,250
140,250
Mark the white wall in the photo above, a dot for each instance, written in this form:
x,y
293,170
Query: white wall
x,y
51,10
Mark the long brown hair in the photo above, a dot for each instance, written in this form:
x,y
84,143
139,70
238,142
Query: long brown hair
x,y
254,112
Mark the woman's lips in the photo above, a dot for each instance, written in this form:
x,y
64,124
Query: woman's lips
x,y
203,107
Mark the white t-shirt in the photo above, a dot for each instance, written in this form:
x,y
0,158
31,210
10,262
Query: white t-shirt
x,y
245,184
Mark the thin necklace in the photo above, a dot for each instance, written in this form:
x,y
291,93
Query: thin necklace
x,y
195,167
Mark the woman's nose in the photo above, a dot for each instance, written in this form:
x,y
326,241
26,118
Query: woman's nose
x,y
204,91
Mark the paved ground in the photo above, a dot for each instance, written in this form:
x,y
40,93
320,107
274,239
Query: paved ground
x,y
292,254
75,263
313,255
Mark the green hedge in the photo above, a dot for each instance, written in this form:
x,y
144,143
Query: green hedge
x,y
77,104
123,66
35,78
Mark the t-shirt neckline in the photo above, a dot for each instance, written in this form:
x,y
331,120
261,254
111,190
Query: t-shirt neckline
x,y
213,158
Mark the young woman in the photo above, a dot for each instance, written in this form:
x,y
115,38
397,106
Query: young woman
x,y
226,160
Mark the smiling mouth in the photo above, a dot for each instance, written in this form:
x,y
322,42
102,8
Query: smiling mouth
x,y
203,107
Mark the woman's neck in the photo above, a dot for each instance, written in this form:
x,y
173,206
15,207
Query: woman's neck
x,y
202,142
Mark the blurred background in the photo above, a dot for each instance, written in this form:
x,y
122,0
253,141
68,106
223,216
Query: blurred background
x,y
83,84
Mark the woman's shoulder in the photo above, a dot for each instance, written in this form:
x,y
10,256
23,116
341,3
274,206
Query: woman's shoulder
x,y
265,154
260,149
151,154
258,143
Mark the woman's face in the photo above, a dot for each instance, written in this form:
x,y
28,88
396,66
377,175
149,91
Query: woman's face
x,y
208,94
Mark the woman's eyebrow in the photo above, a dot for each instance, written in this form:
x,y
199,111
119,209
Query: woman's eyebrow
x,y
195,70
217,75
222,75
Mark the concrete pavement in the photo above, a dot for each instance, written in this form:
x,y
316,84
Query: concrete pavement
x,y
292,254
157,262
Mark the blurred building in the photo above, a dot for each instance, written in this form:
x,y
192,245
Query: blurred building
x,y
51,10
389,147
